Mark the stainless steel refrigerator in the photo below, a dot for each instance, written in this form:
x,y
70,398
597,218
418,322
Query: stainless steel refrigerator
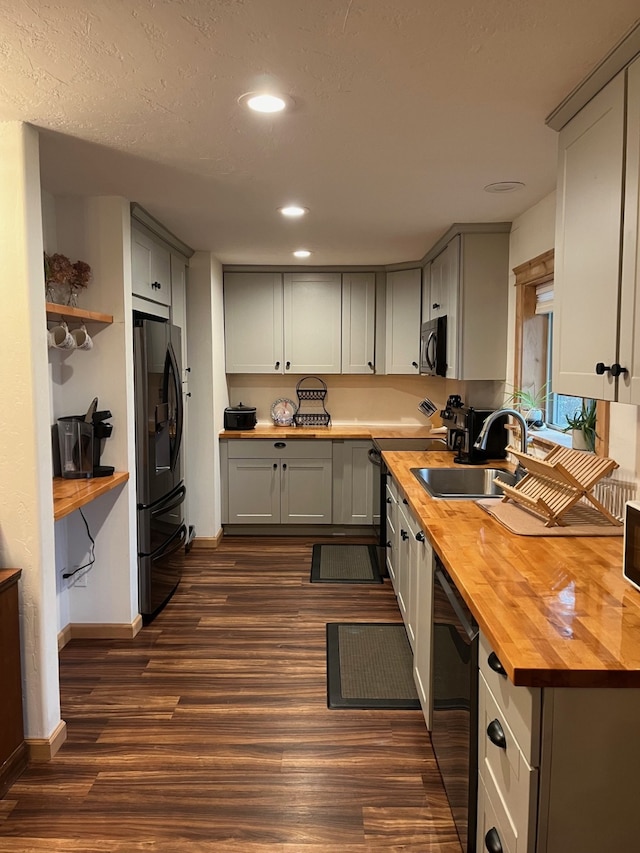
x,y
162,532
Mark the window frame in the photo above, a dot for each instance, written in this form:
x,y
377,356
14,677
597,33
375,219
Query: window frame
x,y
531,340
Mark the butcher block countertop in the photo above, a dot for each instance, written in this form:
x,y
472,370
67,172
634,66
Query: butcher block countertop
x,y
335,431
556,610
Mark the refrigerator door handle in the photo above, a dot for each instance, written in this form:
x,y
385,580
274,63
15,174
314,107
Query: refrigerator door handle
x,y
166,502
172,374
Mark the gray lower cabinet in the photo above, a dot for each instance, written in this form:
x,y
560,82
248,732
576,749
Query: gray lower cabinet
x,y
277,482
356,483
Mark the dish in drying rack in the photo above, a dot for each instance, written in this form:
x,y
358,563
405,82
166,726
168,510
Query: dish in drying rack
x,y
282,411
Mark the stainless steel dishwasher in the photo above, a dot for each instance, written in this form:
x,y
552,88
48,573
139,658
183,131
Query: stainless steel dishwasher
x,y
455,703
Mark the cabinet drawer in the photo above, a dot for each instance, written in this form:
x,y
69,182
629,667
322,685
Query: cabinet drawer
x,y
263,448
519,705
516,781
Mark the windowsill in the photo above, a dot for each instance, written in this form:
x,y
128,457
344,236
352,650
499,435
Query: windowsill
x,y
555,436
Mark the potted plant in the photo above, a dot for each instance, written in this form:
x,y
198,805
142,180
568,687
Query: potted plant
x,y
583,426
530,403
64,280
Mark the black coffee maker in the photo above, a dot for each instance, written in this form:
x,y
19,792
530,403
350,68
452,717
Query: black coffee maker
x,y
463,425
101,431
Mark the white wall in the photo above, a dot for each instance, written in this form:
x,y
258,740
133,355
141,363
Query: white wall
x,y
205,348
26,499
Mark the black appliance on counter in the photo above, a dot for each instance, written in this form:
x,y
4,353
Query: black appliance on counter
x,y
417,445
454,734
463,425
240,417
162,532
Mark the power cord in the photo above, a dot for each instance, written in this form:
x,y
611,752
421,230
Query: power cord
x,y
92,556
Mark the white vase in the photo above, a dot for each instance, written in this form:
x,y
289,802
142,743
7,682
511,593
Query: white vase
x,y
578,441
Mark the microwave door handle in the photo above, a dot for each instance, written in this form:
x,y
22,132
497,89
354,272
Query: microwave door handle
x,y
430,351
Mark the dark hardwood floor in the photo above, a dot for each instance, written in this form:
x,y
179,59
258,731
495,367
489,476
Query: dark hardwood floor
x,y
210,730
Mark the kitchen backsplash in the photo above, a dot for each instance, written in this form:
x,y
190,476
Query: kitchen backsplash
x,y
365,399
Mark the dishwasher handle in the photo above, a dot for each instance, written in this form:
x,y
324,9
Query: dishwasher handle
x,y
469,629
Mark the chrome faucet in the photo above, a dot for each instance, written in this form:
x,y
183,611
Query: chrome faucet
x,y
481,441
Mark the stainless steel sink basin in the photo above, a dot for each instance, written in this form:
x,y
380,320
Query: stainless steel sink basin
x,y
462,483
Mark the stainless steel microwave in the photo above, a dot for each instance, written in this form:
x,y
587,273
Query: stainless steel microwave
x,y
433,347
631,557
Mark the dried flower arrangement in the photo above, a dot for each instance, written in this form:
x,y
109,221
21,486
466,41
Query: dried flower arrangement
x,y
64,279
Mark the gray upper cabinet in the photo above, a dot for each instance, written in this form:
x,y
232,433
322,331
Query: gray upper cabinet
x,y
312,322
597,257
468,274
253,322
404,289
150,267
358,322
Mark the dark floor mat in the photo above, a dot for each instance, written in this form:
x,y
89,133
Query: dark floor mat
x,y
344,564
370,665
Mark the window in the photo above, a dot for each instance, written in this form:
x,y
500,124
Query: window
x,y
533,352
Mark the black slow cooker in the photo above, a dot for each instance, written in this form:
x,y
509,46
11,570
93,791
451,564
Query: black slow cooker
x,y
240,417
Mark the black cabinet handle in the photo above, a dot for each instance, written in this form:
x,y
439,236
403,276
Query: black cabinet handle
x,y
404,535
614,369
414,364
496,735
388,544
277,365
284,466
288,365
436,305
280,444
494,663
370,365
388,500
188,394
420,536
275,465
492,841
187,370
156,285
405,501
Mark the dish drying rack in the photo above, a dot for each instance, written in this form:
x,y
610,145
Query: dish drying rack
x,y
555,484
311,391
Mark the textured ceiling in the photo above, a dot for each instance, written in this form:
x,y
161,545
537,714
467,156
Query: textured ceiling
x,y
404,110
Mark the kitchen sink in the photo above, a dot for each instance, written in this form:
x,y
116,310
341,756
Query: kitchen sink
x,y
462,483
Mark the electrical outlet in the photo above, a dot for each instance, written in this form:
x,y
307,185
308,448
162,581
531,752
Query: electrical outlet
x,y
80,579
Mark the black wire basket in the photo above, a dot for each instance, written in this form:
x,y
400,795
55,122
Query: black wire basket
x,y
311,391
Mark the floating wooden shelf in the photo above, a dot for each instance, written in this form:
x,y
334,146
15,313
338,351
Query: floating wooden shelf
x,y
69,495
55,310
555,484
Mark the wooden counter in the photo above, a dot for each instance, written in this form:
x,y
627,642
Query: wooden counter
x,y
556,610
337,432
69,495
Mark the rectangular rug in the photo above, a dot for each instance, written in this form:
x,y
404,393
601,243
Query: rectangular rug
x,y
370,665
345,564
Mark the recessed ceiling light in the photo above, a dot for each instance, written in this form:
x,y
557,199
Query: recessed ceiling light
x,y
504,187
302,253
263,102
293,210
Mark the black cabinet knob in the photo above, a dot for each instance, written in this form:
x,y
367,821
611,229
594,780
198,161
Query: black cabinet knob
x,y
496,735
388,544
405,501
494,663
404,535
288,365
435,305
370,365
284,466
277,365
275,465
388,500
280,444
614,369
492,841
414,364
420,536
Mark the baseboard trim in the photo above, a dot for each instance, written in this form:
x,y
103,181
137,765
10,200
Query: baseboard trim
x,y
40,750
208,541
99,631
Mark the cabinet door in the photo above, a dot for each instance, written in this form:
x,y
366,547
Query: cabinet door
x,y
403,321
253,322
587,252
423,609
356,483
306,491
312,322
254,491
629,356
150,268
445,297
358,322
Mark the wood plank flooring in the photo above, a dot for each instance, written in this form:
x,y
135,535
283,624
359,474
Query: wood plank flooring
x,y
210,730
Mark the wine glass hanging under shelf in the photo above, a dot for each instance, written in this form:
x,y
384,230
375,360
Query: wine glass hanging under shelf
x,y
311,391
